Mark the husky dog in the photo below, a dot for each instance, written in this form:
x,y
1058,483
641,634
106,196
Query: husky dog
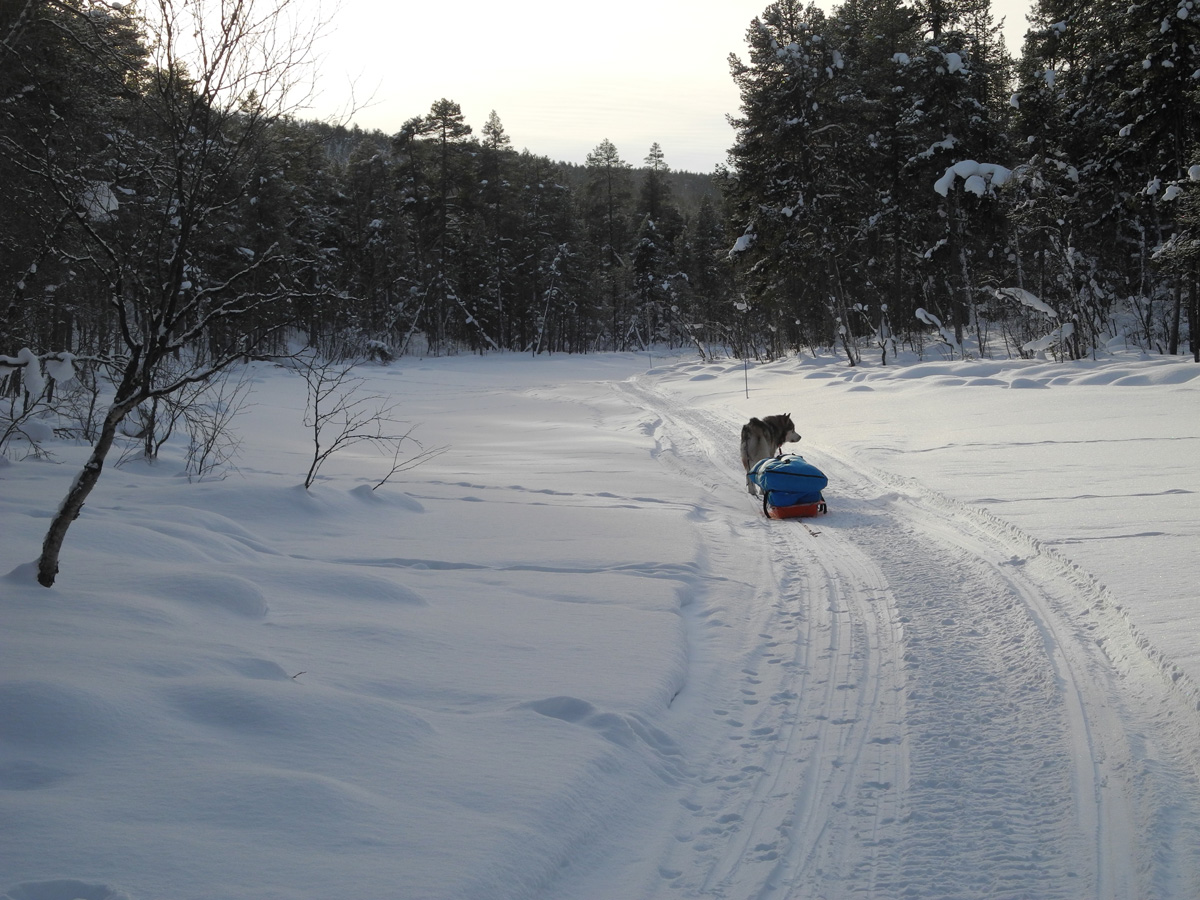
x,y
764,438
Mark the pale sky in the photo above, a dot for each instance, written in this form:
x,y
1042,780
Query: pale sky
x,y
562,76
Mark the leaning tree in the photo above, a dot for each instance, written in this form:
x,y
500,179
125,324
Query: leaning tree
x,y
155,206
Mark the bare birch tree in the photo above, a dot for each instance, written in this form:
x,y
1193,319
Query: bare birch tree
x,y
338,416
160,209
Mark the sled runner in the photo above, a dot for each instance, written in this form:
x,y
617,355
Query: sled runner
x,y
790,487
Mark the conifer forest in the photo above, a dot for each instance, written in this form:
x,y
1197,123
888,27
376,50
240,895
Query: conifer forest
x,y
896,178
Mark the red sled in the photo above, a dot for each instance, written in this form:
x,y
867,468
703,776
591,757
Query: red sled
x,y
797,511
790,487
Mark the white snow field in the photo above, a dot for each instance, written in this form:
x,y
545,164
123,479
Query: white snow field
x,y
570,659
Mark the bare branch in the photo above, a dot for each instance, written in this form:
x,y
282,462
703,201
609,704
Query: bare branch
x,y
338,417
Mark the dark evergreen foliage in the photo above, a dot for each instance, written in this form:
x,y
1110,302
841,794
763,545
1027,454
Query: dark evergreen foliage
x,y
846,215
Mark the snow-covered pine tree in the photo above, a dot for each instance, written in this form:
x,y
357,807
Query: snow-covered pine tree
x,y
654,257
554,310
492,261
1158,138
1111,87
447,286
955,79
64,70
888,211
375,242
607,201
788,177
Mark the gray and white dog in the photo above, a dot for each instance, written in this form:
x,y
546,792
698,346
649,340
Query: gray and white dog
x,y
764,438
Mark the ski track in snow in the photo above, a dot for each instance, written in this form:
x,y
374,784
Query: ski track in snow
x,y
930,704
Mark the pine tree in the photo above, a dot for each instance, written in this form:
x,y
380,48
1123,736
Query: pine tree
x,y
785,166
655,195
1160,135
710,278
374,241
607,197
1109,97
437,175
657,278
957,75
69,72
563,314
496,212
888,214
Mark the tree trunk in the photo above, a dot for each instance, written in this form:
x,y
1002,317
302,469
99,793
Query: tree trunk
x,y
843,312
1194,316
1173,340
72,504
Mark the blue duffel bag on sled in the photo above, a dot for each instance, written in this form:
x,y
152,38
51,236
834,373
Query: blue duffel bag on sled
x,y
789,486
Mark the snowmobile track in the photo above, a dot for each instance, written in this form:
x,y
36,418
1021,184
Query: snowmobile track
x,y
930,704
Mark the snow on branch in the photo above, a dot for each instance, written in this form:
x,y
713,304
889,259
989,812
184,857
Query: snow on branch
x,y
1174,189
59,366
930,319
946,143
1057,336
978,178
1025,298
742,244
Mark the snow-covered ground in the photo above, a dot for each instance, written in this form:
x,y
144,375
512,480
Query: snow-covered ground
x,y
569,659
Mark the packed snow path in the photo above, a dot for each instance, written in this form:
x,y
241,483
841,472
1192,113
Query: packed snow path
x,y
929,704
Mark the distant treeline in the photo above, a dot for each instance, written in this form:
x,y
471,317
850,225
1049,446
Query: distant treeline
x,y
894,177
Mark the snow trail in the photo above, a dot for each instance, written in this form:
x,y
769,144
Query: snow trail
x,y
929,704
